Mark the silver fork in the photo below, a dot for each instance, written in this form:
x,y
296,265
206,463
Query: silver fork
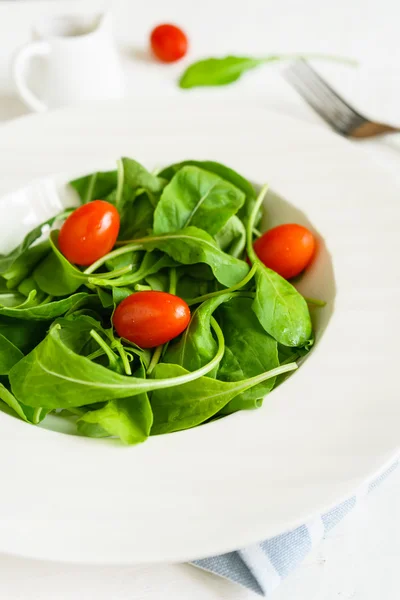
x,y
342,117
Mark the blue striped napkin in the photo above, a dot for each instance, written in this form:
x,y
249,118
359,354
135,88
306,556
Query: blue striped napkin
x,y
262,567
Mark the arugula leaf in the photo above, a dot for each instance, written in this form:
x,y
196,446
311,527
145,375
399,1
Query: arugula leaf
x,y
130,419
249,351
53,375
55,275
232,237
199,198
9,355
219,71
195,402
192,245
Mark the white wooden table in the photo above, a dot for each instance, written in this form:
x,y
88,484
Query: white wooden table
x,y
360,558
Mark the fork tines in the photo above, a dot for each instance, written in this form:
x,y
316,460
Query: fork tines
x,y
322,98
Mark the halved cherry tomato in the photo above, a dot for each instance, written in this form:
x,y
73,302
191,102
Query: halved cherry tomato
x,y
168,42
89,232
151,318
286,249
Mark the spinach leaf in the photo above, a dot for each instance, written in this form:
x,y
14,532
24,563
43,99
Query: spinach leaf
x,y
159,282
281,310
120,293
191,287
213,167
193,403
192,245
10,298
53,375
222,71
279,307
199,198
22,267
219,71
55,275
136,218
232,237
139,178
23,334
197,346
130,419
9,355
96,186
249,351
26,413
45,312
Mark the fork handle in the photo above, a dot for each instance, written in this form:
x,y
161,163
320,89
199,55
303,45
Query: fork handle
x,y
370,129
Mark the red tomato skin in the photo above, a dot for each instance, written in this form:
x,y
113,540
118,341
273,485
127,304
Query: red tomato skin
x,y
168,43
287,249
89,232
151,318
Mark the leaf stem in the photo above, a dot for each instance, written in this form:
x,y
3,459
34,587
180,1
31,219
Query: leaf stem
x,y
250,224
120,183
252,381
129,247
155,358
112,357
124,358
142,288
36,415
315,302
112,274
312,56
234,288
173,280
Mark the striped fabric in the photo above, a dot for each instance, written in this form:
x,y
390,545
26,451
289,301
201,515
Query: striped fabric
x,y
262,567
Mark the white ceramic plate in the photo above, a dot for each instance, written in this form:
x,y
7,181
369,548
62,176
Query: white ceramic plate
x,y
331,426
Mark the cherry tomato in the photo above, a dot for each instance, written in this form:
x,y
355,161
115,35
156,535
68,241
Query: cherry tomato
x,y
89,232
149,319
168,42
286,249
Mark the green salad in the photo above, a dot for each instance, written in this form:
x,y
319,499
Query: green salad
x,y
153,307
